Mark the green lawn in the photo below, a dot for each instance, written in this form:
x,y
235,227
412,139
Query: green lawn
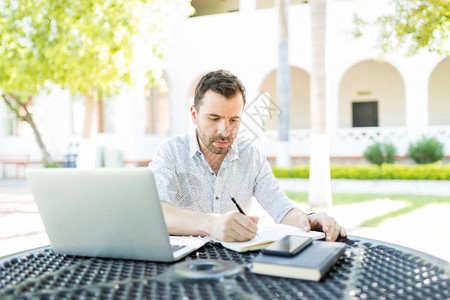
x,y
414,202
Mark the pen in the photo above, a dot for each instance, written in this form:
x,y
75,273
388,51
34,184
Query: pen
x,y
239,208
237,205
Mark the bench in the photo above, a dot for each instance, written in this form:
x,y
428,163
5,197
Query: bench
x,y
138,163
19,160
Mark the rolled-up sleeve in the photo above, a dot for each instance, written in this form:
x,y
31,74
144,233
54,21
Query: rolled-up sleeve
x,y
269,194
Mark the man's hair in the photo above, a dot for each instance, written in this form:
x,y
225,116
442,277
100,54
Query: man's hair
x,y
221,82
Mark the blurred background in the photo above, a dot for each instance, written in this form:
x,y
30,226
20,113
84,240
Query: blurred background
x,y
102,84
121,116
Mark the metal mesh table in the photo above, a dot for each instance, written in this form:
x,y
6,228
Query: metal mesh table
x,y
368,270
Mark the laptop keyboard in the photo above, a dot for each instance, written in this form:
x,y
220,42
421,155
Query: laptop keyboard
x,y
177,247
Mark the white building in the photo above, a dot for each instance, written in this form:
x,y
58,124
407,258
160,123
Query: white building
x,y
398,99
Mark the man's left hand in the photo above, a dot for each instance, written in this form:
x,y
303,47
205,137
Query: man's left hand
x,y
316,221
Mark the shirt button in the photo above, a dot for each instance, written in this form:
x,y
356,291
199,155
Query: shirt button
x,y
217,197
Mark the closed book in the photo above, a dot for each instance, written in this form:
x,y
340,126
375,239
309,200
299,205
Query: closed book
x,y
310,264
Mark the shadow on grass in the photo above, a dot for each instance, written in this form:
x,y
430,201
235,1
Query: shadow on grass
x,y
413,203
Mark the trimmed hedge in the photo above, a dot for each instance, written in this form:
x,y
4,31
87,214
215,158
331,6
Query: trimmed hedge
x,y
435,171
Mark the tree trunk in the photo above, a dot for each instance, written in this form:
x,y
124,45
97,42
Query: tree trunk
x,y
319,176
23,114
100,115
283,84
88,114
155,110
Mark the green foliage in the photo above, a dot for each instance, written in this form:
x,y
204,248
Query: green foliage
x,y
379,153
23,70
89,47
295,172
411,203
390,152
426,150
299,197
85,46
374,153
52,165
92,44
416,24
355,172
435,171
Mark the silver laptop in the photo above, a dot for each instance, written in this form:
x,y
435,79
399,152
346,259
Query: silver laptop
x,y
106,213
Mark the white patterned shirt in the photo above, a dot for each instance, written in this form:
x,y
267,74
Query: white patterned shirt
x,y
184,178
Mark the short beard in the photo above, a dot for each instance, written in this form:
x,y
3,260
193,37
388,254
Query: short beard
x,y
210,143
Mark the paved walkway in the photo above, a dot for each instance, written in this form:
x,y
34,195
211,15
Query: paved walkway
x,y
21,227
427,229
417,187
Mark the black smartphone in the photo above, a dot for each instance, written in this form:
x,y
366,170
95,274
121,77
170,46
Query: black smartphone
x,y
289,245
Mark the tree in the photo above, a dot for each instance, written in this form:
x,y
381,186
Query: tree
x,y
94,54
92,48
319,176
283,83
88,47
414,24
23,67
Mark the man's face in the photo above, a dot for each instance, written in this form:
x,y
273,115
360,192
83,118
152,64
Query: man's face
x,y
218,121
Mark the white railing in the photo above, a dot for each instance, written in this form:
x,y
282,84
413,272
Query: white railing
x,y
350,142
442,133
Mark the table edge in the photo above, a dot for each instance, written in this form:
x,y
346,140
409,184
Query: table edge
x,y
426,256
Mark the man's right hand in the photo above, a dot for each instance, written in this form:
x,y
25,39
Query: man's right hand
x,y
229,227
233,227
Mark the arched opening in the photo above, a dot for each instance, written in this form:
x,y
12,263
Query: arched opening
x,y
192,91
439,94
300,95
190,124
212,7
372,94
157,109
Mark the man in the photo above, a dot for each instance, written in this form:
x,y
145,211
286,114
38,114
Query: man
x,y
197,174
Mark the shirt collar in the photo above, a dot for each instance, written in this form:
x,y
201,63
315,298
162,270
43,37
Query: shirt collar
x,y
233,152
194,147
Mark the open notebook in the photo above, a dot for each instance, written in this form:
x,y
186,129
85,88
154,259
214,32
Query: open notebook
x,y
269,234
